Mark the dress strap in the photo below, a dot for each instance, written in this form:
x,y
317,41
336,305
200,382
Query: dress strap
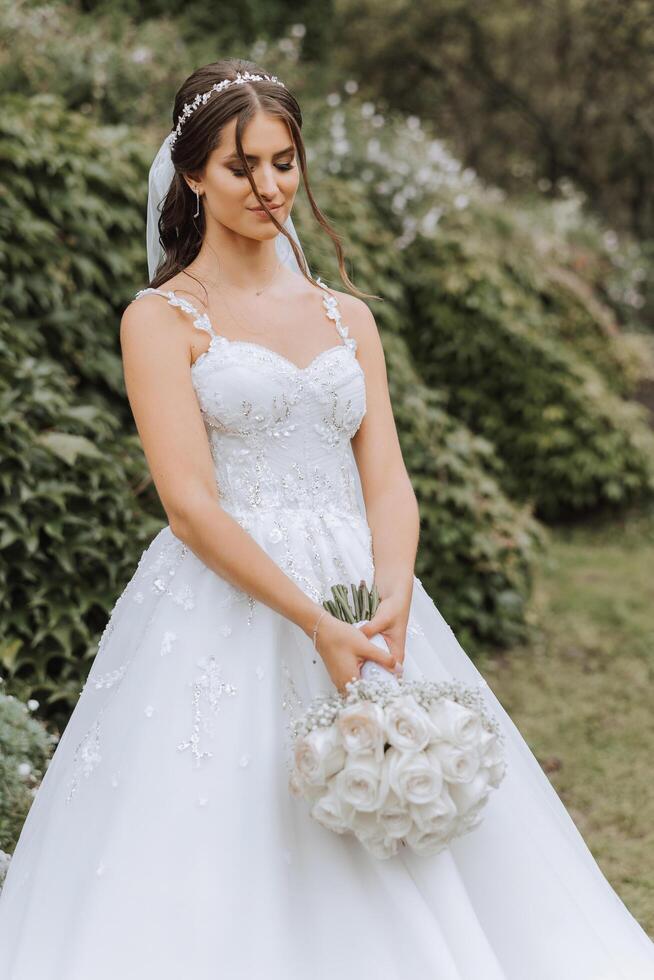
x,y
200,320
330,303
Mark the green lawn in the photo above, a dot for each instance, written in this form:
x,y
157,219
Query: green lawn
x,y
581,693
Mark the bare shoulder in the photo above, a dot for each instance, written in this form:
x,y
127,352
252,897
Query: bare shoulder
x,y
150,319
359,319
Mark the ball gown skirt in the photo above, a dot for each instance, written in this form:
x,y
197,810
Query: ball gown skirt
x,y
163,842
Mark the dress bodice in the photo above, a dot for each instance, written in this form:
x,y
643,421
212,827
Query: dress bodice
x,y
279,433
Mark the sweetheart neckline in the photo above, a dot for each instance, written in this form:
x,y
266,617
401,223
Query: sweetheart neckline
x,y
268,350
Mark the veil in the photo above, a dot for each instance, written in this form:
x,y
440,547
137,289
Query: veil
x,y
161,174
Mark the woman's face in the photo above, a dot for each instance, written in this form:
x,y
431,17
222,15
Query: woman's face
x,y
228,197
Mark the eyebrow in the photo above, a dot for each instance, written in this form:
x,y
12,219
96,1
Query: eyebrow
x,y
249,156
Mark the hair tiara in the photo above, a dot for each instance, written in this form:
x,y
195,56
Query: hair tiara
x,y
202,99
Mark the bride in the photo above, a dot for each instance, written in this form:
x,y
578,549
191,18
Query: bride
x,y
163,841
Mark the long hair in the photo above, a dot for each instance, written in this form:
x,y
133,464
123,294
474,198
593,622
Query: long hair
x,y
180,233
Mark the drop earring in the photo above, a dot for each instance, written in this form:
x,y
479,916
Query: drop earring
x,y
197,201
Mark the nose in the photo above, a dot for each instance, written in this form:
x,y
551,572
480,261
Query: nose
x,y
267,183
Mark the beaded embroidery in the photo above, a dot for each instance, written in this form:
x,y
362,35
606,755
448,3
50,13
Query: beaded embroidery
x,y
292,705
208,690
280,435
87,757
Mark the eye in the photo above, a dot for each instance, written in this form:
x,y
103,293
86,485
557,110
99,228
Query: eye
x,y
280,166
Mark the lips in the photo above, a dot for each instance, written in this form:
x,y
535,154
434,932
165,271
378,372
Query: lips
x,y
275,207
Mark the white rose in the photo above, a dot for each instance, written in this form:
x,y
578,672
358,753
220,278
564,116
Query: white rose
x,y
394,816
458,765
330,811
407,724
471,818
467,795
300,789
426,841
437,815
380,845
413,776
296,785
319,754
361,727
360,782
496,773
365,823
491,750
455,722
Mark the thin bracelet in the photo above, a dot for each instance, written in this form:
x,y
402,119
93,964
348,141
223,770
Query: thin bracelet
x,y
315,628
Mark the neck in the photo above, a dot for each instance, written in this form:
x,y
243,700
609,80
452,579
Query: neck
x,y
234,260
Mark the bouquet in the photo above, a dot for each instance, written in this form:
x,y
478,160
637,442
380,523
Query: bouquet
x,y
395,762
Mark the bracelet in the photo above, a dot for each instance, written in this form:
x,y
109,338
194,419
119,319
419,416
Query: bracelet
x,y
315,628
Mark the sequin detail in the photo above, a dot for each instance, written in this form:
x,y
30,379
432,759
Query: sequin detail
x,y
208,690
167,642
414,628
258,432
292,705
87,757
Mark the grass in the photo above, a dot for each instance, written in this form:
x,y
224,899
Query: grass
x,y
581,693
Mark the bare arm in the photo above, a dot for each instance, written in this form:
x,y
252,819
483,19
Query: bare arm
x,y
156,351
391,505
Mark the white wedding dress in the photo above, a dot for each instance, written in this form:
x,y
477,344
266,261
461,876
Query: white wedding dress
x,y
163,843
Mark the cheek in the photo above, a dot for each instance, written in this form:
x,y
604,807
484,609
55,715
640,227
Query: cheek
x,y
229,190
290,183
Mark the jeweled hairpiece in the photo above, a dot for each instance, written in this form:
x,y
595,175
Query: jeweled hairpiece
x,y
241,78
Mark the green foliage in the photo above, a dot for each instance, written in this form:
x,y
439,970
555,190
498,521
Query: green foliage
x,y
71,234
71,524
569,442
73,514
26,750
476,546
530,94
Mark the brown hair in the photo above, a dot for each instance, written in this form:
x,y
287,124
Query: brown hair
x,y
180,233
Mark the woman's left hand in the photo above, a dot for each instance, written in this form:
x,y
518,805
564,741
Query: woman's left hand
x,y
391,619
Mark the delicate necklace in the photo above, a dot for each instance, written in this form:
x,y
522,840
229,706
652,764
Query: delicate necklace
x,y
258,292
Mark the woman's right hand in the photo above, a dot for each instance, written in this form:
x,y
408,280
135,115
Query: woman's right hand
x,y
344,648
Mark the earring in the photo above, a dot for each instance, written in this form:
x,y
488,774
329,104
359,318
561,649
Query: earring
x,y
197,202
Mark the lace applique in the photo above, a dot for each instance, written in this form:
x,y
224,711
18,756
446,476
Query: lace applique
x,y
87,757
200,320
292,705
333,312
109,678
279,436
414,628
167,642
208,691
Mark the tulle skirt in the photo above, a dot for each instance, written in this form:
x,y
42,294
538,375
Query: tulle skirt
x,y
163,841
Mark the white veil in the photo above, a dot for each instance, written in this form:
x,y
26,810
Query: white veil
x,y
161,174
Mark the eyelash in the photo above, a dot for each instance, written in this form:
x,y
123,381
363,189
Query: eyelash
x,y
280,166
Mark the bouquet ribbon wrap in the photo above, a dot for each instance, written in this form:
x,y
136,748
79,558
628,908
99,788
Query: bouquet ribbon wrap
x,y
370,669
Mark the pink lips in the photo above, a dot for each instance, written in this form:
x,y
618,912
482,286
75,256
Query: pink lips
x,y
261,211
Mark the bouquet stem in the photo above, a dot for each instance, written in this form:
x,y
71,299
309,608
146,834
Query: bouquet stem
x,y
364,605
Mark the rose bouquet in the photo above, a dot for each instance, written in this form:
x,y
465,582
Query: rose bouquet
x,y
395,762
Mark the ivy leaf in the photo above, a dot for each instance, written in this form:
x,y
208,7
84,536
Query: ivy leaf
x,y
68,447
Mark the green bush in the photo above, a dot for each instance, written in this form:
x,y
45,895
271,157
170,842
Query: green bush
x,y
570,443
26,750
71,526
76,504
476,546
